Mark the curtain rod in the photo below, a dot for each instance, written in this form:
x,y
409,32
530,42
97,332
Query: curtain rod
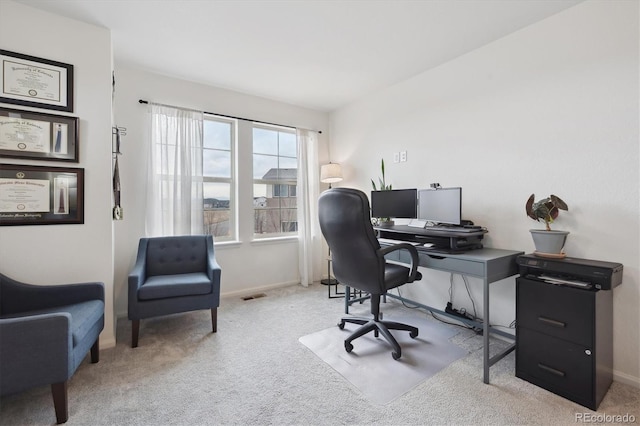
x,y
142,101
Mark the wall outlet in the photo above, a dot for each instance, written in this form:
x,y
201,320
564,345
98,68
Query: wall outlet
x,y
403,156
396,157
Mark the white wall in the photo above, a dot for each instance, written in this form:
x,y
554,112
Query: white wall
x,y
247,266
55,254
552,108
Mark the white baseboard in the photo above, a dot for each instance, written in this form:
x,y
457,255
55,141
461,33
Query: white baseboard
x,y
107,343
626,379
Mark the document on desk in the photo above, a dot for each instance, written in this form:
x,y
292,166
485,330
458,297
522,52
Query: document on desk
x,y
390,241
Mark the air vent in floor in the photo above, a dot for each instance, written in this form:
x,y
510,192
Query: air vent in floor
x,y
254,296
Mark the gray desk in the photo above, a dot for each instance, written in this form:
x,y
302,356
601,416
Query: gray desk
x,y
488,264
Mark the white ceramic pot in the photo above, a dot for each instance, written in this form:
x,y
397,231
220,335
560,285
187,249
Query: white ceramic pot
x,y
549,242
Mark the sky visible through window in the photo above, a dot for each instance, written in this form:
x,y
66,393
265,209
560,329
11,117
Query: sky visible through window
x,y
216,158
272,149
269,146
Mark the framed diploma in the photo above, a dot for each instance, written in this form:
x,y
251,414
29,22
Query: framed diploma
x,y
35,82
38,136
35,195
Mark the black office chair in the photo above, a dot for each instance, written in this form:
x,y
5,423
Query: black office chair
x,y
359,262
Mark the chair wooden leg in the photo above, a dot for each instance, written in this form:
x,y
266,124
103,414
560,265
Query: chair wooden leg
x,y
214,319
59,392
95,351
135,329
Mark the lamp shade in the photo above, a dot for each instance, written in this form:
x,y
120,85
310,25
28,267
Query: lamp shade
x,y
330,173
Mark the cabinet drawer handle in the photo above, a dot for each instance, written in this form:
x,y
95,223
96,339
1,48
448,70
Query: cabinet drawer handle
x,y
551,370
552,322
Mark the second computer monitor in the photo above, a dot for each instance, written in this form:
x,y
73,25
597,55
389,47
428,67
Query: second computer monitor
x,y
440,206
397,203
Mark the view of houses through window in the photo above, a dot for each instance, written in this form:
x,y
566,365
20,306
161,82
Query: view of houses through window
x,y
274,179
275,162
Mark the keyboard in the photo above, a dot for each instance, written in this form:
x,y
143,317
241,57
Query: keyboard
x,y
461,229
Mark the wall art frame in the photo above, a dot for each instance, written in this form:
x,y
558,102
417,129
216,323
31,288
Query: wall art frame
x,y
39,195
35,82
38,136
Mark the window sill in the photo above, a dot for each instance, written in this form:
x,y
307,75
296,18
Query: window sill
x,y
263,241
275,240
227,244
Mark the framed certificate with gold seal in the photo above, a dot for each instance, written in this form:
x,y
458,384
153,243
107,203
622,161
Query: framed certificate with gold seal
x,y
36,195
35,82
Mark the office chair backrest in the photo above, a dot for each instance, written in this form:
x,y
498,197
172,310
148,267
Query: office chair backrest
x,y
345,222
177,254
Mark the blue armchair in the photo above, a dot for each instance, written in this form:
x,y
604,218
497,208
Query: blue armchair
x,y
171,275
45,333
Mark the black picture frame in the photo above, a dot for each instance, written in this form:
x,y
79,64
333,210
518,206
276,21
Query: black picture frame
x,y
38,136
40,195
35,82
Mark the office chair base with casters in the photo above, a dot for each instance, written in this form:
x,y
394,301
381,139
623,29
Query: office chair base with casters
x,y
378,326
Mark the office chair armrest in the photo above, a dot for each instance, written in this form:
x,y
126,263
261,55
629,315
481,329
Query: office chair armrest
x,y
413,271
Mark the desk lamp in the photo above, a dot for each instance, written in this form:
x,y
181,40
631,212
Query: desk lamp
x,y
330,173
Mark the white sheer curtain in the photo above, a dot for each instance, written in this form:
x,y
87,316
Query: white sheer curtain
x,y
174,185
308,225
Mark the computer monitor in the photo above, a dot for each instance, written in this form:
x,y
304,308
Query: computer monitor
x,y
397,203
440,206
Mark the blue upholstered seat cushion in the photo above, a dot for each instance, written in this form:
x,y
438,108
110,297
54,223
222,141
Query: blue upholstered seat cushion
x,y
163,286
84,316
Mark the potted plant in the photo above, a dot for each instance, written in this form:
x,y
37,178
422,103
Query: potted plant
x,y
382,221
549,243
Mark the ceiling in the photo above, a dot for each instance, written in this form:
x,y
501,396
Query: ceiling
x,y
316,54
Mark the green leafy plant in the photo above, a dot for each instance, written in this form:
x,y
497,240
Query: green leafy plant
x,y
546,210
383,184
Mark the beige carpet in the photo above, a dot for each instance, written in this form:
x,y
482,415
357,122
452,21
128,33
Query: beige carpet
x,y
370,366
254,371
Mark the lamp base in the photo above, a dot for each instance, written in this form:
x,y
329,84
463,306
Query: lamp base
x,y
332,282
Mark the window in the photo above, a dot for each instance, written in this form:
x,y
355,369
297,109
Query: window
x,y
284,191
275,162
218,177
281,190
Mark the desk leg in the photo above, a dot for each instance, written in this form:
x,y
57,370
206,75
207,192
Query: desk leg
x,y
485,331
347,297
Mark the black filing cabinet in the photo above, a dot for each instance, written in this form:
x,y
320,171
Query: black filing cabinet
x,y
564,339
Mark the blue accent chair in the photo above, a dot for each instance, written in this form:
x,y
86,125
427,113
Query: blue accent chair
x,y
45,333
171,275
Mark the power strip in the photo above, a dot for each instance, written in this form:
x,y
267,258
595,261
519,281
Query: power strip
x,y
450,310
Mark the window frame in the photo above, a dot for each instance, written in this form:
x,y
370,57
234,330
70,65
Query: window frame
x,y
289,183
232,180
